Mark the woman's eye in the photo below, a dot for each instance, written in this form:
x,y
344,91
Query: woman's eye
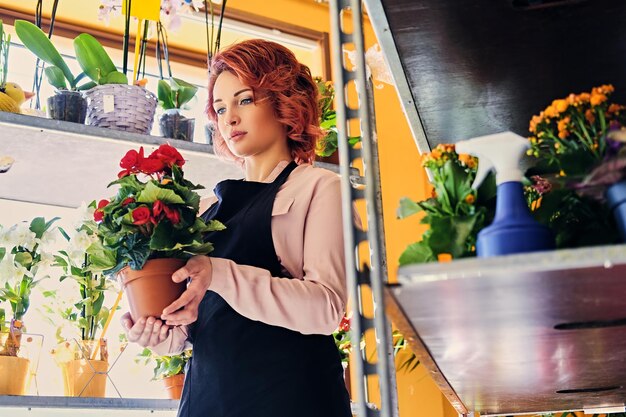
x,y
245,101
221,110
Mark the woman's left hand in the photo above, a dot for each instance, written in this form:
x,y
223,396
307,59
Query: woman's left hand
x,y
200,270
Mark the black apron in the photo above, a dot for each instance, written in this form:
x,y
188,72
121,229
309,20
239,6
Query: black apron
x,y
242,367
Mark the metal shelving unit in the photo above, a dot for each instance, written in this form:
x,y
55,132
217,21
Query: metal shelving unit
x,y
361,277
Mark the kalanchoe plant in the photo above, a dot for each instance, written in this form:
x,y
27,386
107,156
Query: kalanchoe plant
x,y
455,212
23,255
580,151
153,215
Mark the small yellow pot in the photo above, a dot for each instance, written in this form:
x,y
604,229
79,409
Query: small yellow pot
x,y
84,378
14,374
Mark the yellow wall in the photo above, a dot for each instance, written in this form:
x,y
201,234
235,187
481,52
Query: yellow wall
x,y
400,168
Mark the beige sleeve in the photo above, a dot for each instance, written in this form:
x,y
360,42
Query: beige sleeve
x,y
311,305
175,342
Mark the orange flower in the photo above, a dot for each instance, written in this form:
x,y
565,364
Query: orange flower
x,y
467,160
562,134
584,97
591,118
597,99
551,112
470,199
536,120
436,154
433,193
560,105
615,108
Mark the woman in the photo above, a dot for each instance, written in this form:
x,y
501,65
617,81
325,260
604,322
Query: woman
x,y
260,310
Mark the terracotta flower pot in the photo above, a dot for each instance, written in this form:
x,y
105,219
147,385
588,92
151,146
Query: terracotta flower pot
x,y
151,289
84,378
174,386
14,374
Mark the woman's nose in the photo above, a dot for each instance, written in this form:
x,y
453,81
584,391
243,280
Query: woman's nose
x,y
231,119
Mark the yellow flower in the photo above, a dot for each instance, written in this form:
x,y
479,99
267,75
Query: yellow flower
x,y
470,199
166,181
561,173
557,145
436,154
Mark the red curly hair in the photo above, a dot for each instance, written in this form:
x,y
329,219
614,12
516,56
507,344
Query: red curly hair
x,y
274,73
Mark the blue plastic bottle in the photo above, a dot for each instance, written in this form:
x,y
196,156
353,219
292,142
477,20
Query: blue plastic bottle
x,y
513,229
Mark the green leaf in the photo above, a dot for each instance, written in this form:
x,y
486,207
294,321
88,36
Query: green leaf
x,y
55,77
183,91
153,192
87,86
92,57
164,93
35,40
407,208
450,234
24,258
114,77
418,252
3,252
100,258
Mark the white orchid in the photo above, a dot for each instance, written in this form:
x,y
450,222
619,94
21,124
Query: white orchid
x,y
375,65
22,256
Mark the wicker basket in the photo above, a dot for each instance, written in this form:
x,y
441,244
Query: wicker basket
x,y
132,108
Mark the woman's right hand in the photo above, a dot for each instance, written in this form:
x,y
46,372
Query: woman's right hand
x,y
147,332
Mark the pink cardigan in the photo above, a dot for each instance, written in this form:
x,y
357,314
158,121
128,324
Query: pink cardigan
x,y
307,231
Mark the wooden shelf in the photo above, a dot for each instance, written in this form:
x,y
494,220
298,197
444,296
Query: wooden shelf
x,y
523,333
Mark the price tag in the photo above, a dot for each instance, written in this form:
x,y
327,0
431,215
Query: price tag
x,y
108,102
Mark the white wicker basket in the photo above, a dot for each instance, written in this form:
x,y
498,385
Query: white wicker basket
x,y
121,107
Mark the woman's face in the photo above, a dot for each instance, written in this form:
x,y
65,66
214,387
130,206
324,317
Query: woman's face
x,y
247,124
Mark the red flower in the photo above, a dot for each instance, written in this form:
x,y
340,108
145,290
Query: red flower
x,y
127,201
141,215
172,214
151,165
98,214
345,324
168,155
157,208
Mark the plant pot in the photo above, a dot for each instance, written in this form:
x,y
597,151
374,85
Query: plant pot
x,y
84,378
14,373
69,106
174,386
176,126
616,199
151,289
121,107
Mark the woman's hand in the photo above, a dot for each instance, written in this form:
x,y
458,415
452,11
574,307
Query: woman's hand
x,y
200,270
147,332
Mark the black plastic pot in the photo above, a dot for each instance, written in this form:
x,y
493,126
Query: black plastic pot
x,y
176,126
69,106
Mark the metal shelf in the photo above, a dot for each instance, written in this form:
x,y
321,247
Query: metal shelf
x,y
524,333
28,401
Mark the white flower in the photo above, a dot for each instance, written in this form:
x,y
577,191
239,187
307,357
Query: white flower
x,y
10,272
21,235
46,259
85,214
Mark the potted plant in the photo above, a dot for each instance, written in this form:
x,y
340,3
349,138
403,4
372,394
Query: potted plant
x,y
578,144
112,103
82,353
67,103
149,228
172,97
169,369
23,255
455,212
